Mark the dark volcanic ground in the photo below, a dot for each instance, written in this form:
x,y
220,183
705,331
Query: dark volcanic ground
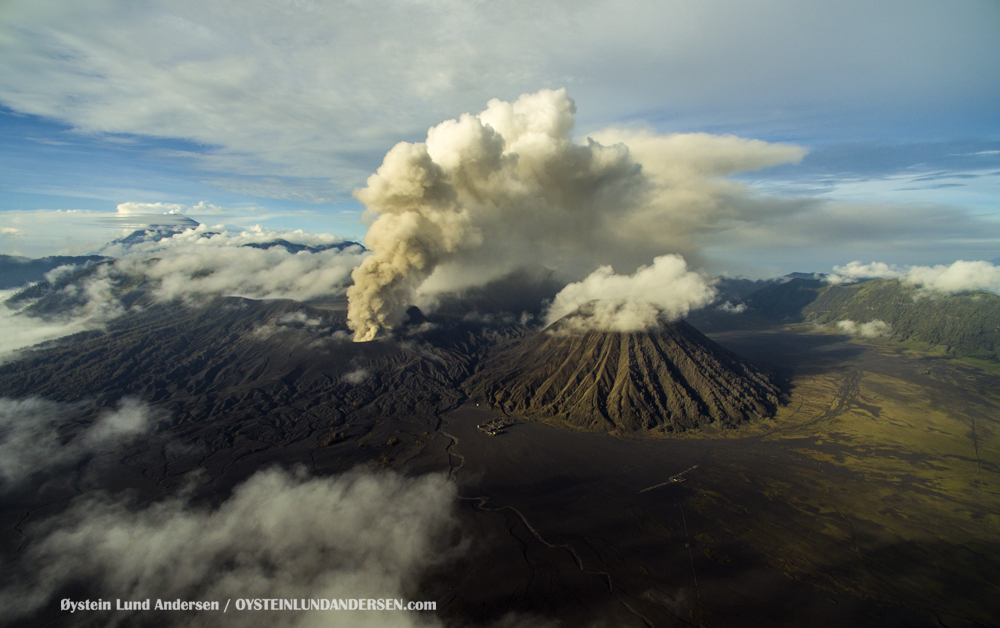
x,y
774,527
573,538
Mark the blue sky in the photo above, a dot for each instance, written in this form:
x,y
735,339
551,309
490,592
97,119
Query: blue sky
x,y
272,113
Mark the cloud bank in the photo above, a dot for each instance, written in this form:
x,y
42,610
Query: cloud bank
x,y
187,264
209,260
959,276
508,188
666,290
32,441
280,535
97,306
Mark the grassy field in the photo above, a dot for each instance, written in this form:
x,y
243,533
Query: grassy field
x,y
889,486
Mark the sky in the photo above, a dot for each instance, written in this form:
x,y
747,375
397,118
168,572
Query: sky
x,y
274,112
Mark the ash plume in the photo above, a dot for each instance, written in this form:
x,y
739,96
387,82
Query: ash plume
x,y
489,193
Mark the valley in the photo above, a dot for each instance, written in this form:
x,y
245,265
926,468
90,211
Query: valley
x,y
868,498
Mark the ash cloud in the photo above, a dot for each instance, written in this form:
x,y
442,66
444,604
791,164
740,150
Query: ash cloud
x,y
665,290
280,535
33,438
508,188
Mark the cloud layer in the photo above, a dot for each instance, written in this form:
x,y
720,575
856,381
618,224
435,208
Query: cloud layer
x,y
256,84
871,329
196,262
20,331
32,441
508,188
959,276
280,535
209,260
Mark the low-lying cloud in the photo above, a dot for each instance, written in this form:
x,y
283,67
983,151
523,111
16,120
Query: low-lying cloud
x,y
960,276
21,331
203,261
872,329
666,290
280,535
190,264
34,439
856,271
357,376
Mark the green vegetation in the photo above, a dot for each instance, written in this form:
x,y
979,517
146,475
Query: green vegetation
x,y
965,324
888,487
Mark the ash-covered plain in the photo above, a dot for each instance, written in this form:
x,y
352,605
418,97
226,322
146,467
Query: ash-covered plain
x,y
811,510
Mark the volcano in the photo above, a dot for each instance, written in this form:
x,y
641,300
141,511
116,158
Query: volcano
x,y
671,378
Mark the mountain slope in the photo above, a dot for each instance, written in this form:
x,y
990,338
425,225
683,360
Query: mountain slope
x,y
21,271
965,324
671,379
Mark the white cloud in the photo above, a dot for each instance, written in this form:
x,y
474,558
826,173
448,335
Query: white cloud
x,y
664,290
961,276
313,88
22,331
198,262
280,535
32,440
356,376
142,209
729,308
855,271
872,329
208,260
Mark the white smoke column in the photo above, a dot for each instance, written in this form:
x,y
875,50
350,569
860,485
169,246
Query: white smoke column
x,y
665,290
508,188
